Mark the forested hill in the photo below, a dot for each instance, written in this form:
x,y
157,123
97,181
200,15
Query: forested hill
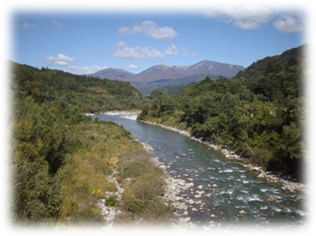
x,y
258,114
88,94
64,164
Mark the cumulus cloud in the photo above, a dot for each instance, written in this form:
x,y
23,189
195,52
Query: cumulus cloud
x,y
149,29
57,24
291,23
142,54
243,18
69,63
60,60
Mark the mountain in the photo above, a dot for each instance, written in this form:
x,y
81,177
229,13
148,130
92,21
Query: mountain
x,y
205,68
113,74
163,75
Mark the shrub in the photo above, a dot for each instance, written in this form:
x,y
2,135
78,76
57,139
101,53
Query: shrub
x,y
135,205
111,201
157,212
87,218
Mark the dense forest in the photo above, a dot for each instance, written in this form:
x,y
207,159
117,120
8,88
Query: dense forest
x,y
259,113
64,163
88,94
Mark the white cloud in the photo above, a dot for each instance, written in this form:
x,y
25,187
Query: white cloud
x,y
143,54
171,50
149,29
137,53
132,67
69,63
60,60
209,13
243,18
57,24
289,24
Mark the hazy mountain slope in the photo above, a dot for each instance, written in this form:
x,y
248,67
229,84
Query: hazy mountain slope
x,y
113,74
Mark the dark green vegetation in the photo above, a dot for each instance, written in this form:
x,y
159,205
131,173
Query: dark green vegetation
x,y
87,94
64,163
259,113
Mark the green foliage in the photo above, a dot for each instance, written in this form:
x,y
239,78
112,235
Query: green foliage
x,y
111,201
136,205
87,218
259,113
77,92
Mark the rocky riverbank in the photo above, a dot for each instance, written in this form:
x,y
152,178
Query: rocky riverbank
x,y
288,185
175,195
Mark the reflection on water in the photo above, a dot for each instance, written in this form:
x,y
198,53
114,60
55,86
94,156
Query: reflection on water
x,y
226,191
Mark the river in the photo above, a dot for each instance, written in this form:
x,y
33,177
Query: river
x,y
240,198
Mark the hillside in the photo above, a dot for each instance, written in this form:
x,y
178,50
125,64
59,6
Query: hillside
x,y
88,94
258,113
113,74
64,164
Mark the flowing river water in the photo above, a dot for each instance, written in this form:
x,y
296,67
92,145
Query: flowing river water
x,y
240,197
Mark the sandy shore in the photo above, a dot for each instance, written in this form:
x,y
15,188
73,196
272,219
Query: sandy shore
x,y
288,185
123,114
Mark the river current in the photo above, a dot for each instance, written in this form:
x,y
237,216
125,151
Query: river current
x,y
240,197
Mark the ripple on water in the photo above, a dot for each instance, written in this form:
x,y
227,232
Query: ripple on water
x,y
226,171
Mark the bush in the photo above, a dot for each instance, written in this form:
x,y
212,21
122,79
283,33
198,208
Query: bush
x,y
158,212
111,201
135,205
87,218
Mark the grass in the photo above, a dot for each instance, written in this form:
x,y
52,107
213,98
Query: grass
x,y
106,150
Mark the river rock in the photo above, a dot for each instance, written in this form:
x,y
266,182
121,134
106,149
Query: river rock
x,y
184,155
214,186
242,212
261,175
191,202
200,186
271,200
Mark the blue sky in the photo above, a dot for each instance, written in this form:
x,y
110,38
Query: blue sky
x,y
85,42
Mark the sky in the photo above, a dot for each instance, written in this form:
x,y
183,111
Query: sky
x,y
86,42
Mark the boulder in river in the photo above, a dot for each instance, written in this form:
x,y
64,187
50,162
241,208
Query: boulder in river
x,y
184,155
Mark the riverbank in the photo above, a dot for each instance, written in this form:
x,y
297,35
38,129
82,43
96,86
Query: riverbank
x,y
223,193
288,185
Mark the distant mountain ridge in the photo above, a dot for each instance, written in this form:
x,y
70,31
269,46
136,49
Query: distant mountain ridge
x,y
159,72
